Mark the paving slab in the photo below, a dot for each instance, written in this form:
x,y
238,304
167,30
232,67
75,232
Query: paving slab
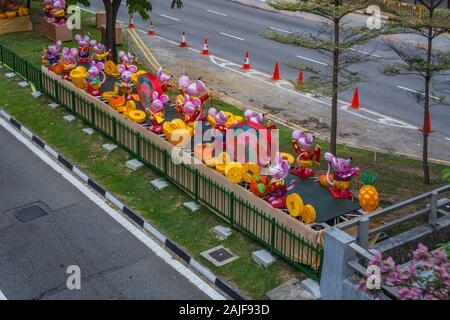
x,y
159,184
53,105
222,232
69,118
88,131
290,290
23,84
263,257
10,75
134,164
191,206
108,147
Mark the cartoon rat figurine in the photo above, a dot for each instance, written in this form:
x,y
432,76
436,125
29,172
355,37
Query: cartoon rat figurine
x,y
52,53
58,12
277,186
342,175
84,48
125,83
100,53
156,112
94,78
302,143
164,80
257,118
194,89
221,119
69,61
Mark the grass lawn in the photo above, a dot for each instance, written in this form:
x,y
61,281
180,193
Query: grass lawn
x,y
399,178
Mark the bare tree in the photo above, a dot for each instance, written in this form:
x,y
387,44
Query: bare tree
x,y
425,62
335,39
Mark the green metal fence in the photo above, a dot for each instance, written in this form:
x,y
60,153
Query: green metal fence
x,y
240,214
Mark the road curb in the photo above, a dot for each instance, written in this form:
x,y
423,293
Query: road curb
x,y
132,215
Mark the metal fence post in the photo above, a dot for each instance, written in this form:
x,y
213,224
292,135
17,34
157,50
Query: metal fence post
x,y
138,141
114,129
1,54
231,204
432,217
272,235
196,187
363,232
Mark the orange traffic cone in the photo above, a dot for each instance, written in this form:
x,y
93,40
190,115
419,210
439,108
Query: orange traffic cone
x,y
428,124
151,32
205,47
183,43
246,65
276,73
355,101
300,77
131,23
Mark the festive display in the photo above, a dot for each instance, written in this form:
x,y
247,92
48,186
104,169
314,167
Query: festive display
x,y
278,188
368,194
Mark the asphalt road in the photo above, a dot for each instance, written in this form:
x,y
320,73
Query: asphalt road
x,y
233,28
34,255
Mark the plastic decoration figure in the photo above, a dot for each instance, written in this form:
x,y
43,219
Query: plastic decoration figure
x,y
48,8
192,110
302,143
277,186
191,90
84,48
156,112
342,175
94,78
58,12
100,53
164,80
125,83
52,54
127,59
221,119
68,61
257,118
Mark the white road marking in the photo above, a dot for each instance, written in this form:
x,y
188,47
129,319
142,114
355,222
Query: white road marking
x,y
152,245
447,139
416,91
2,296
281,30
312,60
169,17
231,36
365,52
220,14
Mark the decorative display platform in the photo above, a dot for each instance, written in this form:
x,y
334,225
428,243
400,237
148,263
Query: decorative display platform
x,y
18,24
56,32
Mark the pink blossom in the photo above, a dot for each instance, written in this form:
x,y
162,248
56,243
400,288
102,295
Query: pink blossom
x,y
376,259
421,253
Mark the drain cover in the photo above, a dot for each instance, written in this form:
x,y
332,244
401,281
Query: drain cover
x,y
29,213
219,256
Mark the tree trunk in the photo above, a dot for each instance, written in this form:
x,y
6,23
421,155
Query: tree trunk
x,y
426,109
335,88
111,8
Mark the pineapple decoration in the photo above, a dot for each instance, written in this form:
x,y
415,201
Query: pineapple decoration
x,y
368,194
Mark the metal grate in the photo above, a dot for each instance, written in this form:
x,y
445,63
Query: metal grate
x,y
30,213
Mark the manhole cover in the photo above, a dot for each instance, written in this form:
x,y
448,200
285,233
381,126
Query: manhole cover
x,y
219,255
29,213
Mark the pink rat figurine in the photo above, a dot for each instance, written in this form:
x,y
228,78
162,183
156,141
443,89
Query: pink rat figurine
x,y
94,78
125,82
277,186
302,143
100,52
257,118
156,112
84,48
221,119
342,175
195,89
69,61
164,80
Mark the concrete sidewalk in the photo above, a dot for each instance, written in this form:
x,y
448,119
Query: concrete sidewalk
x,y
363,127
